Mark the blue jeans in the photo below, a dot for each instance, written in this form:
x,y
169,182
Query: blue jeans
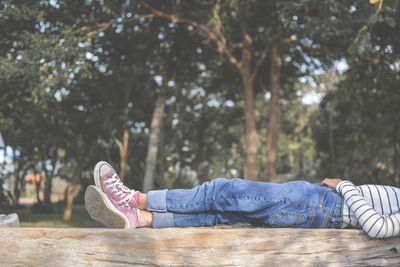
x,y
296,204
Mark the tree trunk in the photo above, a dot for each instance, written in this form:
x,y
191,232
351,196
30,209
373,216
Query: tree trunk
x,y
195,247
48,183
124,154
17,192
17,188
163,181
18,179
47,190
251,132
72,191
247,79
331,143
156,124
274,116
203,164
242,153
123,146
37,189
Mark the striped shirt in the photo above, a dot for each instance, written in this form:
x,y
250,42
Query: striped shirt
x,y
374,208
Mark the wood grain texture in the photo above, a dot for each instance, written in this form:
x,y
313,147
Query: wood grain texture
x,y
194,247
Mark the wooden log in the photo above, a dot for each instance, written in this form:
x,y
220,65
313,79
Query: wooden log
x,y
194,247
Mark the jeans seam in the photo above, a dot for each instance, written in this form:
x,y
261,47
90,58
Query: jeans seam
x,y
220,197
335,214
322,197
326,217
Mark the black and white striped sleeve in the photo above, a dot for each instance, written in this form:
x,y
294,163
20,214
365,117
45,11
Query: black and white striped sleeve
x,y
373,223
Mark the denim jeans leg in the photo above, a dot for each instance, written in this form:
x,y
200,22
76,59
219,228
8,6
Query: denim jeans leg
x,y
167,219
156,200
222,195
292,204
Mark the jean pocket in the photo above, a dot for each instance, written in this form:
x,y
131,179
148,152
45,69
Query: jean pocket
x,y
293,220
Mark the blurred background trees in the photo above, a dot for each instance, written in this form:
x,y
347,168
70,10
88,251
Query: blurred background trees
x,y
177,93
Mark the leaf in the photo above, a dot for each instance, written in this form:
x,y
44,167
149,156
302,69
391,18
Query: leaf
x,y
373,2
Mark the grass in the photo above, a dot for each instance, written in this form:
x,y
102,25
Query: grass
x,y
28,217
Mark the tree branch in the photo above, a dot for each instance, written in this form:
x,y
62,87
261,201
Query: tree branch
x,y
209,34
246,54
322,48
216,22
104,26
119,144
258,64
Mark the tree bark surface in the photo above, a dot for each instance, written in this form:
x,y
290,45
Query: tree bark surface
x,y
247,78
17,187
156,124
251,131
124,154
274,116
123,146
194,247
72,191
48,182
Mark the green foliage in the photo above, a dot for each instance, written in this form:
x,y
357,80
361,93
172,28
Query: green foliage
x,y
364,106
73,74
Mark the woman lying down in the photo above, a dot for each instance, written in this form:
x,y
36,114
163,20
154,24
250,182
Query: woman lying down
x,y
332,204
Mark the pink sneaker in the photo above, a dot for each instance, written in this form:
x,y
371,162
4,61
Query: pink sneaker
x,y
101,209
107,179
111,202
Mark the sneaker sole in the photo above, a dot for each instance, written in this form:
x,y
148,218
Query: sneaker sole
x,y
101,209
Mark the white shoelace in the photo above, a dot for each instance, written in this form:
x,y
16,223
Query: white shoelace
x,y
112,183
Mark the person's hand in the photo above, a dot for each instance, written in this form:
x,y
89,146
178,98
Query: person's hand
x,y
331,182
